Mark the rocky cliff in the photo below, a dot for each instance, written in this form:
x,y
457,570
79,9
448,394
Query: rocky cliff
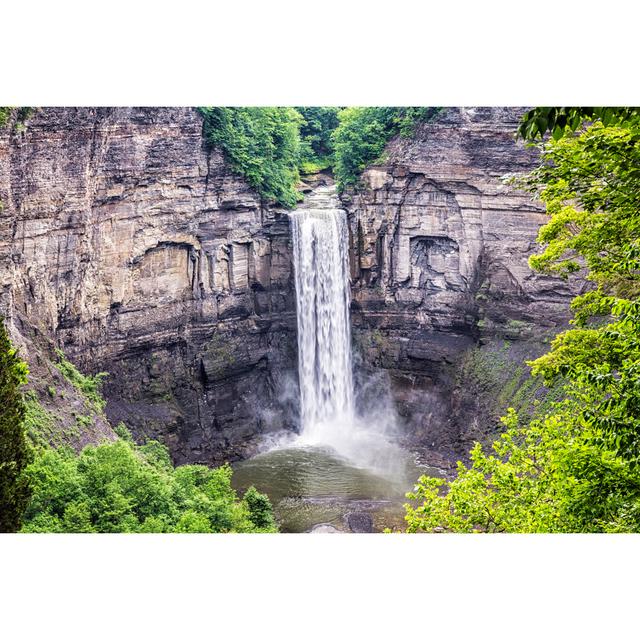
x,y
129,244
439,250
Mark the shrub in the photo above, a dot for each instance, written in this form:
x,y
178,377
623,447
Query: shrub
x,y
260,510
89,386
122,487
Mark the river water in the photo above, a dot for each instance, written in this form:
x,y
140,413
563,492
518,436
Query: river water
x,y
310,485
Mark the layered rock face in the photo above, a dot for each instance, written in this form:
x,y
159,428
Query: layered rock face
x,y
439,250
129,244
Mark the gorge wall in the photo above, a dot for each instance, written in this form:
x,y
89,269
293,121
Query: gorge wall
x,y
443,297
130,245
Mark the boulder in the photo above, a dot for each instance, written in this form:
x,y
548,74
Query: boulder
x,y
323,527
359,522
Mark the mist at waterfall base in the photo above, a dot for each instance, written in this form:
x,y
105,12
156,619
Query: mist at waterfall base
x,y
344,456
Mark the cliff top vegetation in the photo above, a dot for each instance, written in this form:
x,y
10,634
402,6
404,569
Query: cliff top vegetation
x,y
272,146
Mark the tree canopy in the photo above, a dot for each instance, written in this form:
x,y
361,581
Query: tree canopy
x,y
270,146
561,120
316,139
120,487
260,143
363,133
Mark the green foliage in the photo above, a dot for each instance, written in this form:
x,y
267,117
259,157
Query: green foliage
x,y
5,114
308,167
590,186
38,422
269,146
363,133
577,467
260,510
88,386
22,115
561,120
121,487
316,141
260,143
123,432
14,449
549,476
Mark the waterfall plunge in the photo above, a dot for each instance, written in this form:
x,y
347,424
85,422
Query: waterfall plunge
x,y
322,299
327,408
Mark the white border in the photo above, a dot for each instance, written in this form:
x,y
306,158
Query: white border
x,y
251,52
318,586
325,52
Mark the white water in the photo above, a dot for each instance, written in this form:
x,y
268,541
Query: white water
x,y
319,231
327,409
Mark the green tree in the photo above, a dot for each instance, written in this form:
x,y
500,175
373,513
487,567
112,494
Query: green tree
x,y
561,120
121,487
260,510
193,522
317,127
590,184
315,133
269,145
548,476
14,450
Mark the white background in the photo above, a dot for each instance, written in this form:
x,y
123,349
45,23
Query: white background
x,y
318,53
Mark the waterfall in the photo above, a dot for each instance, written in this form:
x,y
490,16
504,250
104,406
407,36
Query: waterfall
x,y
319,230
328,414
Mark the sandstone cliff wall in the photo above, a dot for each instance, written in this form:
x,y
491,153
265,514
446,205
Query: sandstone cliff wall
x,y
129,244
439,250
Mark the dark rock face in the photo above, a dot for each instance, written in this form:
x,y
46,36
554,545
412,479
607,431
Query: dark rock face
x,y
439,250
359,522
129,244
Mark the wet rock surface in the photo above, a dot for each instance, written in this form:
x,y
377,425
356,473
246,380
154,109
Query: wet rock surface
x,y
359,522
324,527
